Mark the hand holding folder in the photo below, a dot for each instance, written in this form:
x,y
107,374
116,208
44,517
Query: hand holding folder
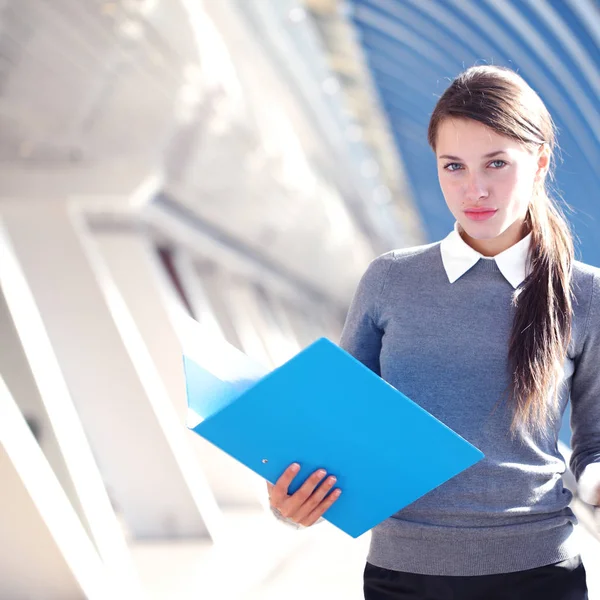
x,y
310,502
322,408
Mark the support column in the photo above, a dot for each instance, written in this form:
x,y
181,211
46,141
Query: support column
x,y
45,552
152,300
127,417
33,375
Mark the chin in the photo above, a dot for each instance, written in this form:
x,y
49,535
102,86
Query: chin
x,y
481,231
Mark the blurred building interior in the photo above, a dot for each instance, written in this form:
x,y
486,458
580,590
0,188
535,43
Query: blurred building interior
x,y
241,162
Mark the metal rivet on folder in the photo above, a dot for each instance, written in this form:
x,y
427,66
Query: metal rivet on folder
x,y
265,460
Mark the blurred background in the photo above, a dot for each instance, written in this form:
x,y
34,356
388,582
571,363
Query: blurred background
x,y
241,162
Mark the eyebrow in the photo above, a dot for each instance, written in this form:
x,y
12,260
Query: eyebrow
x,y
489,155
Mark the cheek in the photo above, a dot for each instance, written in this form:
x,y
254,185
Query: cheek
x,y
517,187
452,190
523,177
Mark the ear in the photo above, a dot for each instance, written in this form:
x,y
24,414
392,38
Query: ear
x,y
543,161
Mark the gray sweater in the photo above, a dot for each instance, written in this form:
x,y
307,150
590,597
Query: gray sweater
x,y
445,346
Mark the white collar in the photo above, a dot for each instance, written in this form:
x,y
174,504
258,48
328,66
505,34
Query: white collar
x,y
458,257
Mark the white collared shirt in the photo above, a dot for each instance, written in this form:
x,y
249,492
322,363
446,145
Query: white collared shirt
x,y
458,257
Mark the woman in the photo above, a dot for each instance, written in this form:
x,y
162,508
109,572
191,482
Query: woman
x,y
491,330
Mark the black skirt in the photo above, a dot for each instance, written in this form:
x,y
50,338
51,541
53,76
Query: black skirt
x,y
560,581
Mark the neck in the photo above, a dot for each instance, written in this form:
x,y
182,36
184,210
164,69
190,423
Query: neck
x,y
515,233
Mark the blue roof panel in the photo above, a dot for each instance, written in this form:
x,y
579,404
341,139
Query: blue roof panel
x,y
415,48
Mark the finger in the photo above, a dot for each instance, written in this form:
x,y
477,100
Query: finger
x,y
279,492
316,514
292,504
315,499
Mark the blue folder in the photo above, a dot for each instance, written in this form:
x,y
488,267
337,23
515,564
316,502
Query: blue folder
x,y
325,409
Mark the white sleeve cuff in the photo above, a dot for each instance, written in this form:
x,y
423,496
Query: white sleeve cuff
x,y
588,488
285,520
291,523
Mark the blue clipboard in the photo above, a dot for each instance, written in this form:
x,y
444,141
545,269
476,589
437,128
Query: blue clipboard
x,y
325,409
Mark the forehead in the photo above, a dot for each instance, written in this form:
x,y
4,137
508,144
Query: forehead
x,y
469,138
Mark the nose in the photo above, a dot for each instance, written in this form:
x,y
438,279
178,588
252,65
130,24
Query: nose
x,y
475,188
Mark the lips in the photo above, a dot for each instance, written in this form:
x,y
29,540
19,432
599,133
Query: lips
x,y
480,214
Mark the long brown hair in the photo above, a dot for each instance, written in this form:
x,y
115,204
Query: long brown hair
x,y
541,331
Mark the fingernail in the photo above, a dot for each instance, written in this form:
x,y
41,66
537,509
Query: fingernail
x,y
321,472
295,467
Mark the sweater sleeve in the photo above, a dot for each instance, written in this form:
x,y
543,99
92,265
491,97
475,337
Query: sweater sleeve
x,y
362,333
585,397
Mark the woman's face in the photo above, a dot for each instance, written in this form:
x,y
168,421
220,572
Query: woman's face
x,y
488,181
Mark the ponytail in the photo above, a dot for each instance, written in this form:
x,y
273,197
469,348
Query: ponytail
x,y
542,326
